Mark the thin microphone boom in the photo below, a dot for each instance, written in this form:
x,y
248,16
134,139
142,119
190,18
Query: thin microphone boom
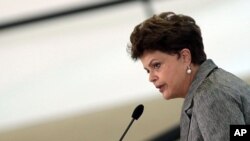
x,y
125,132
135,116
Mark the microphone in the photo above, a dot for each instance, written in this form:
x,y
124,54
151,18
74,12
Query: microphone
x,y
135,116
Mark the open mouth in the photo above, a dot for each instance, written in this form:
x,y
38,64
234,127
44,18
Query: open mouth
x,y
161,88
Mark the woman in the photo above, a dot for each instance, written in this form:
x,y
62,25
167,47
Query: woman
x,y
171,50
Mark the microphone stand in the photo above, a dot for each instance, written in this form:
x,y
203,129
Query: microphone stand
x,y
125,132
136,115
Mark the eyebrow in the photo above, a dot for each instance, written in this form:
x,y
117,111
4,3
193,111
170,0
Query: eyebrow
x,y
150,64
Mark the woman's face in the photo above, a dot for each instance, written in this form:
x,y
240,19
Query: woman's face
x,y
167,72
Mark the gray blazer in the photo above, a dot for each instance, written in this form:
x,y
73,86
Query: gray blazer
x,y
216,100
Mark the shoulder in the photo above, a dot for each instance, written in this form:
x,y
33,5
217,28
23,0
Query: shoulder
x,y
222,85
219,90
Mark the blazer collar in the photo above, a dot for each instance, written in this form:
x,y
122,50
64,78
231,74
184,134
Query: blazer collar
x,y
204,70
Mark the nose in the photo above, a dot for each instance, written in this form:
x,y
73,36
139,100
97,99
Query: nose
x,y
152,77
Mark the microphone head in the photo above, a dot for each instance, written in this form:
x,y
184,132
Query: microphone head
x,y
138,112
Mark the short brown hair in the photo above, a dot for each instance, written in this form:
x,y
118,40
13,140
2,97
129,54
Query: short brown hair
x,y
169,33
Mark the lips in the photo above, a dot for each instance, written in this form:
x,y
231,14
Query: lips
x,y
160,87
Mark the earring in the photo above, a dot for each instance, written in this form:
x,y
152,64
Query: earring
x,y
189,70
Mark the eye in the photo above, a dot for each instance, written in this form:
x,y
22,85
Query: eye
x,y
146,70
156,65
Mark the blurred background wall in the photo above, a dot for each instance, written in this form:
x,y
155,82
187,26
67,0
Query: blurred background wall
x,y
69,78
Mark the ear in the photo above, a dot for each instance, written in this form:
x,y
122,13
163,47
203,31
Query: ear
x,y
185,54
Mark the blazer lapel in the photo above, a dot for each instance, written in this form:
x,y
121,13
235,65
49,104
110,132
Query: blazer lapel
x,y
186,115
186,118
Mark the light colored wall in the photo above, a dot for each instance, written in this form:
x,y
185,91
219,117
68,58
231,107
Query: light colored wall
x,y
106,125
59,68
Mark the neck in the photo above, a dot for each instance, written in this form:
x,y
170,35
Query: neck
x,y
195,69
190,78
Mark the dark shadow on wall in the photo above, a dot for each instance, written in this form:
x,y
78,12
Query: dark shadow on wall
x,y
172,134
67,12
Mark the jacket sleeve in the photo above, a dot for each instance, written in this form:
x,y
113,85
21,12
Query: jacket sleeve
x,y
215,112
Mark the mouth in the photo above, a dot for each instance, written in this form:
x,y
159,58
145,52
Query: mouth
x,y
161,87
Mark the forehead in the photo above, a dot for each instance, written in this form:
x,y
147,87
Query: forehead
x,y
147,56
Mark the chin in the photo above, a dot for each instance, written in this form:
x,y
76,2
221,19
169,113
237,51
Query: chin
x,y
167,96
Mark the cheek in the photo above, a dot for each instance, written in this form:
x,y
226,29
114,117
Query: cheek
x,y
174,76
168,75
